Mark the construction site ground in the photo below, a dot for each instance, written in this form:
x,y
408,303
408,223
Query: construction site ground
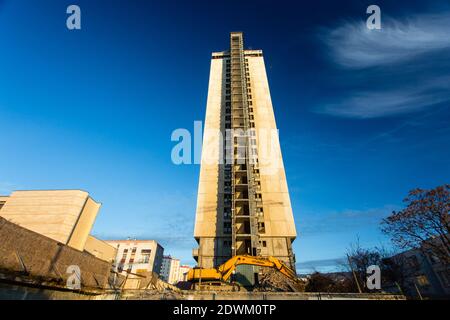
x,y
208,295
20,292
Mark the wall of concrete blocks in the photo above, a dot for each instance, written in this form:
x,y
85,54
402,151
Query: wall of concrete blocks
x,y
28,253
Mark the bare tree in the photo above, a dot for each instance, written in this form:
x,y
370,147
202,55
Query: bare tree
x,y
359,259
391,264
424,223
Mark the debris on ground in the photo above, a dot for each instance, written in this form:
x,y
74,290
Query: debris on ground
x,y
273,281
184,285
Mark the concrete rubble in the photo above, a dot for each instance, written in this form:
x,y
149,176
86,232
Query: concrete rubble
x,y
273,281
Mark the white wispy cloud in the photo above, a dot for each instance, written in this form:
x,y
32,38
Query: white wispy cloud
x,y
400,69
353,45
380,103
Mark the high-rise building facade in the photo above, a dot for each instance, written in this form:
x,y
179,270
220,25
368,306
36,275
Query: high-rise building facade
x,y
243,204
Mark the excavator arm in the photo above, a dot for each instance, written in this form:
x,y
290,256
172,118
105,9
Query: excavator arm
x,y
224,271
228,267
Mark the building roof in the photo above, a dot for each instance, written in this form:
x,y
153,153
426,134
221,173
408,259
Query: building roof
x,y
131,241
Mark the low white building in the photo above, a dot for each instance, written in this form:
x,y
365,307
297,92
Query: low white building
x,y
137,256
182,275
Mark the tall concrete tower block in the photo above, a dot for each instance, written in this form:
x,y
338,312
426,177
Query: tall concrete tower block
x,y
243,204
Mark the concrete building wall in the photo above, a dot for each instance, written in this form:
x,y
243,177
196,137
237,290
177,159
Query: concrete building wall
x,y
208,230
84,224
279,222
100,249
66,216
44,258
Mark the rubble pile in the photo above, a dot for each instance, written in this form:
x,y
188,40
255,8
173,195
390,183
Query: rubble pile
x,y
150,294
273,281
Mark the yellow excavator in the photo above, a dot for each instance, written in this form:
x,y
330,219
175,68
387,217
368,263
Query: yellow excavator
x,y
223,273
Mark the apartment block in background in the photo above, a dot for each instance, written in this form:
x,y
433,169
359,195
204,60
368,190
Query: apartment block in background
x,y
184,270
137,256
422,271
170,270
243,204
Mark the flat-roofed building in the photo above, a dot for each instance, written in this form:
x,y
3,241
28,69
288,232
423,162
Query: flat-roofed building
x,y
66,216
184,270
170,269
137,256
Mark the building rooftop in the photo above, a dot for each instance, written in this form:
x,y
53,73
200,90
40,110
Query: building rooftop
x,y
131,240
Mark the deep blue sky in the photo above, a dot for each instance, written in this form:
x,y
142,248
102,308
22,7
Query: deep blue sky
x,y
363,115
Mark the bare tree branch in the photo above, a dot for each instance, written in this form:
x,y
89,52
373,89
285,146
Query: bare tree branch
x,y
424,223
